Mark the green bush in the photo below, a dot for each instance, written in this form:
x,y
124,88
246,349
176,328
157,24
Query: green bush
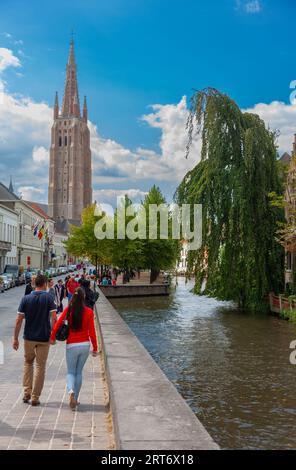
x,y
289,315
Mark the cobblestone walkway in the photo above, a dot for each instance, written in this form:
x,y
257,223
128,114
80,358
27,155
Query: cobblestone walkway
x,y
52,425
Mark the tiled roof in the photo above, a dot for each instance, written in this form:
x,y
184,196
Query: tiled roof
x,y
6,195
37,208
285,158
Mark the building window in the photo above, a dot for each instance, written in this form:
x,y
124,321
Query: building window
x,y
289,261
60,141
65,141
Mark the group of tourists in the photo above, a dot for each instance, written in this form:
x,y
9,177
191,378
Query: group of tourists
x,y
46,320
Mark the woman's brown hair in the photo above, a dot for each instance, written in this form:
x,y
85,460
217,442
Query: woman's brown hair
x,y
76,308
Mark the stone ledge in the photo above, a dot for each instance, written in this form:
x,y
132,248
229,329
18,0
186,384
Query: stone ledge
x,y
147,410
135,290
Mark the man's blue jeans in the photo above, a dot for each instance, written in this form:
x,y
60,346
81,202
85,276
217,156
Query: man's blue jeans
x,y
76,357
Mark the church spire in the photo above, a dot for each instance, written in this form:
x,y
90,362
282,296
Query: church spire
x,y
11,185
56,106
85,110
71,105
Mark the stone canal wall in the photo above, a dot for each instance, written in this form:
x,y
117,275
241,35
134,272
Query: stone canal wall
x,y
147,411
137,290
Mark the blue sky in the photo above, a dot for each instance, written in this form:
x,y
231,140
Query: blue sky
x,y
132,54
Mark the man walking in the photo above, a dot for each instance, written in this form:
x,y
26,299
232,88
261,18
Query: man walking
x,y
60,294
30,286
39,311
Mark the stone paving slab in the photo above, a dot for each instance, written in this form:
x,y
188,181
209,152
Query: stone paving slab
x,y
52,425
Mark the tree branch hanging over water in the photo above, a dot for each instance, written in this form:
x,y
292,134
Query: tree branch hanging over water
x,y
240,258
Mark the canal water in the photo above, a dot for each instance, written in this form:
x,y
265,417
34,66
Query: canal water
x,y
232,367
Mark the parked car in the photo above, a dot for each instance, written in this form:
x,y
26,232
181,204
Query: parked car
x,y
17,273
12,280
2,289
51,272
62,270
6,282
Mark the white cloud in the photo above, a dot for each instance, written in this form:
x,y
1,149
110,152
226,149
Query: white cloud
x,y
171,120
8,59
108,197
108,193
25,139
40,155
253,7
31,193
249,6
278,116
113,162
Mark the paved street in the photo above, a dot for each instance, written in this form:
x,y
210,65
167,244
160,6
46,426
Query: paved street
x,y
52,425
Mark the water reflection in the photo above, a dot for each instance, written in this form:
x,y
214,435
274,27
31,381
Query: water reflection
x,y
232,367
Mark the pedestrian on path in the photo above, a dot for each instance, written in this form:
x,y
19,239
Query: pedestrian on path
x,y
71,286
90,297
81,332
39,312
60,294
50,287
92,281
30,286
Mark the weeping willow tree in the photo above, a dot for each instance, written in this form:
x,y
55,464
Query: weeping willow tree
x,y
240,258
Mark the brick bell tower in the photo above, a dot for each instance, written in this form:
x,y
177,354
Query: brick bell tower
x,y
70,185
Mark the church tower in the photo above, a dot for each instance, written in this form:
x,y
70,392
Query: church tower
x,y
70,185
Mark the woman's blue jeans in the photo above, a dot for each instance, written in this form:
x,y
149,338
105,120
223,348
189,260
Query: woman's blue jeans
x,y
76,358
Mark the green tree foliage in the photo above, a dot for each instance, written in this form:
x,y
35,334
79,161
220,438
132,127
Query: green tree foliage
x,y
83,243
122,251
159,253
240,258
126,253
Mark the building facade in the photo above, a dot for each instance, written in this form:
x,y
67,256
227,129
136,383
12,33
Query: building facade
x,y
29,251
290,213
181,266
59,253
70,185
47,240
8,236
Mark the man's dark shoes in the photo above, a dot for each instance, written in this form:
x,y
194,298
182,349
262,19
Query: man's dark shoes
x,y
35,403
26,398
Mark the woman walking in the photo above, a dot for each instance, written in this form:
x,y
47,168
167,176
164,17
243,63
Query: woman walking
x,y
81,333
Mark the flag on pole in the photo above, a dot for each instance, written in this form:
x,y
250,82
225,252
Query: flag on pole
x,y
41,232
